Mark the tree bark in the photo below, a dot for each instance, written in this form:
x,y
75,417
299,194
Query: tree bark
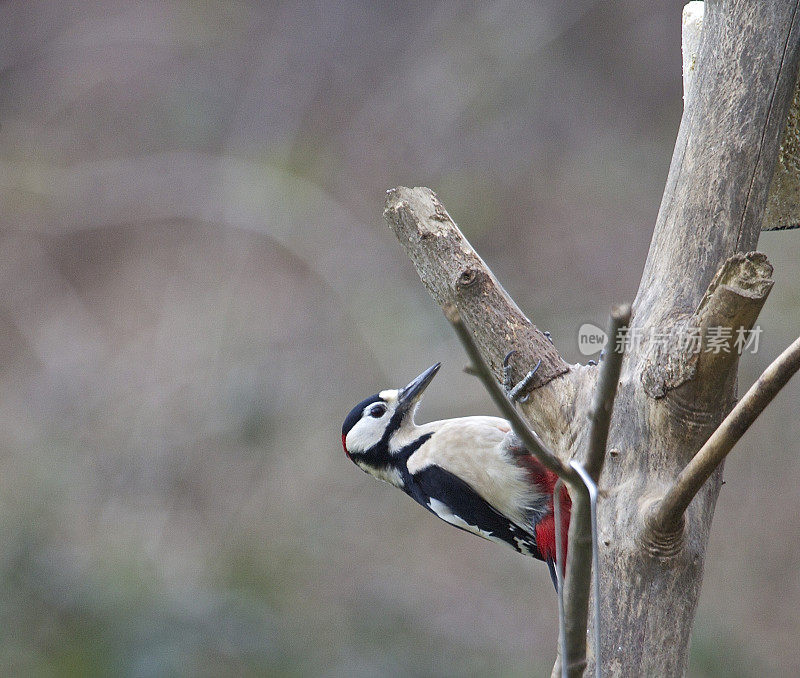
x,y
701,272
455,275
712,209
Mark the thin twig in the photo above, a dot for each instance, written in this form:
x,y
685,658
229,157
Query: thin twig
x,y
577,581
668,513
579,560
531,441
605,392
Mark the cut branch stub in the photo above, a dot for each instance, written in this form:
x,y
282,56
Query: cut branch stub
x,y
733,301
702,350
453,273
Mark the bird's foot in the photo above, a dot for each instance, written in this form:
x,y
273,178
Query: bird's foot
x,y
513,391
594,363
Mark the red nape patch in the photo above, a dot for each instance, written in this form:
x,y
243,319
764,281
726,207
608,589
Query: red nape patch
x,y
344,445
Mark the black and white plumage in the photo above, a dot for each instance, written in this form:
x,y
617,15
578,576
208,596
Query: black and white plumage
x,y
472,472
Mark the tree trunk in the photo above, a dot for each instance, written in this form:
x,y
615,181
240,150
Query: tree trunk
x,y
669,402
700,274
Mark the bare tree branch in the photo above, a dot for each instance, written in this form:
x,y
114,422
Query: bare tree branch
x,y
455,274
577,583
458,279
605,392
534,444
668,513
577,580
579,560
712,209
716,191
783,203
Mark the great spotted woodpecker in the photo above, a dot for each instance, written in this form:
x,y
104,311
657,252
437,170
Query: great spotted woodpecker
x,y
472,472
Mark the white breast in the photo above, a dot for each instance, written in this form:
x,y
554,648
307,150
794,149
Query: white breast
x,y
473,449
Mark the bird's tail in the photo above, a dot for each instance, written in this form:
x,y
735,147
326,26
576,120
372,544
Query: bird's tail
x,y
781,227
552,565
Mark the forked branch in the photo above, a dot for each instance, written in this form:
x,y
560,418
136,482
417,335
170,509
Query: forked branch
x,y
579,561
667,514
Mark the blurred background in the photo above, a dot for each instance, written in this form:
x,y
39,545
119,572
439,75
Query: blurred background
x,y
196,285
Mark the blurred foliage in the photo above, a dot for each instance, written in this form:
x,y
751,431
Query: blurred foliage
x,y
197,286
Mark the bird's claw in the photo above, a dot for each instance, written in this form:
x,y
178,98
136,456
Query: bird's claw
x,y
515,392
507,385
594,363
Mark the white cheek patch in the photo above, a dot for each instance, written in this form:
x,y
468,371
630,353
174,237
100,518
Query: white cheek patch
x,y
366,433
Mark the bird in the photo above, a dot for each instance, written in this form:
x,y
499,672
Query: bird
x,y
472,472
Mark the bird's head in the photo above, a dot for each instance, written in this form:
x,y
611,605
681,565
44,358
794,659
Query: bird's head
x,y
370,426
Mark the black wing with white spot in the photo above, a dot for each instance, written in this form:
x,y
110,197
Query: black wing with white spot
x,y
455,502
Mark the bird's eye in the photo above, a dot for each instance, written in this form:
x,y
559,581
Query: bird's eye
x,y
377,411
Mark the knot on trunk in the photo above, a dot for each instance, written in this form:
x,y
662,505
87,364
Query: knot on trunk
x,y
659,539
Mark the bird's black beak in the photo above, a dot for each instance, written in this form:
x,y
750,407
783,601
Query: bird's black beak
x,y
411,394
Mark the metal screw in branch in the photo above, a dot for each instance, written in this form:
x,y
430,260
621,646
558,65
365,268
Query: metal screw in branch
x,y
562,629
